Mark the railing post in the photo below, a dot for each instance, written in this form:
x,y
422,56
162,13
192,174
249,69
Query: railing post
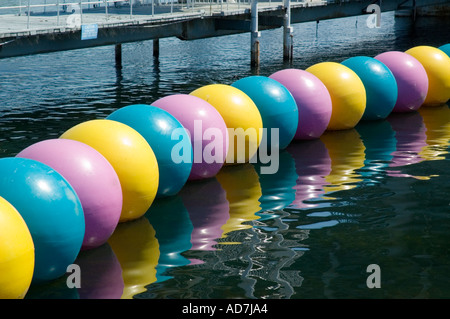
x,y
57,12
106,9
287,32
131,9
28,15
255,34
81,12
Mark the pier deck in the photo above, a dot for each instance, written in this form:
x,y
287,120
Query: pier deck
x,y
55,26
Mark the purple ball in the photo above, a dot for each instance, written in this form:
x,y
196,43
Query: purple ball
x,y
411,77
312,98
207,130
93,179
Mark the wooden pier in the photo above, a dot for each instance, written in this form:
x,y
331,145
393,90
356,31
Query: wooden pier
x,y
27,32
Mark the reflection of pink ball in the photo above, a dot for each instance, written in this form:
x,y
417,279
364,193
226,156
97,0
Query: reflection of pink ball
x,y
411,77
313,101
207,129
93,179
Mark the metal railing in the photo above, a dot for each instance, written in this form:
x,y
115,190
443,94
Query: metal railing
x,y
22,15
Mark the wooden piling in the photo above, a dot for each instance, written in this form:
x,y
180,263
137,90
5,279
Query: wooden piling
x,y
118,55
156,48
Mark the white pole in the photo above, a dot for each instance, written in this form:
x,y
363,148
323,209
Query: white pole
x,y
287,32
254,50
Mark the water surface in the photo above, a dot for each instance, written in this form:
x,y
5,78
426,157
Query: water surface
x,y
375,194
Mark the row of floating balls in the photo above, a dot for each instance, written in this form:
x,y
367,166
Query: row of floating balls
x,y
60,196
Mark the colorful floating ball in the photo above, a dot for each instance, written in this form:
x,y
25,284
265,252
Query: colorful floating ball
x,y
380,84
276,105
93,178
207,130
445,48
348,95
163,133
16,253
411,77
131,157
51,209
437,67
313,101
241,117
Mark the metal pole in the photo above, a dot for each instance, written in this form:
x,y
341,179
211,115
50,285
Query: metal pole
x,y
255,34
57,12
287,32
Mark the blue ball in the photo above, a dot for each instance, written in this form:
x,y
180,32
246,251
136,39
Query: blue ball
x,y
276,105
51,209
156,126
380,84
445,48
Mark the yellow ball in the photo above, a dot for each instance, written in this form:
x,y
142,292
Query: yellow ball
x,y
348,95
131,157
241,116
437,66
16,253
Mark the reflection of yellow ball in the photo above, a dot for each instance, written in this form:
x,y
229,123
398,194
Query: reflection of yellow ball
x,y
241,184
131,157
347,153
16,253
137,249
241,116
437,66
348,95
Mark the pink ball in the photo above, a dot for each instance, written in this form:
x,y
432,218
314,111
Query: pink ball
x,y
200,117
93,179
411,77
313,101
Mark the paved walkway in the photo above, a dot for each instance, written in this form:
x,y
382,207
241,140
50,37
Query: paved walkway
x,y
17,25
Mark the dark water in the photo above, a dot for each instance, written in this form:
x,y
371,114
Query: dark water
x,y
375,194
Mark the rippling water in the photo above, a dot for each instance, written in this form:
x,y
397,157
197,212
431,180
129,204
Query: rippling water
x,y
375,194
